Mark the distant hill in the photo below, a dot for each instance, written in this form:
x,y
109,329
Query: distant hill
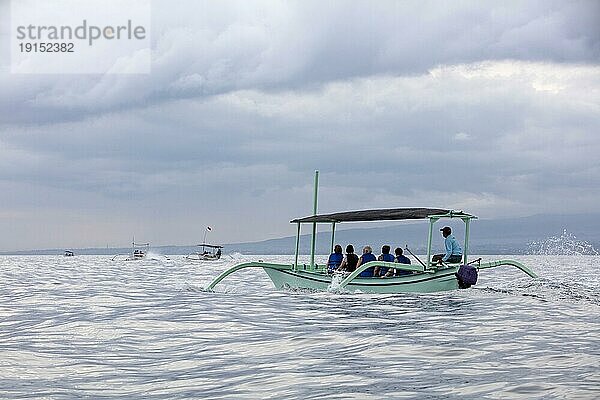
x,y
500,236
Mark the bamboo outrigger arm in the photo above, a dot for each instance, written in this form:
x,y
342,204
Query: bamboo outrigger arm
x,y
513,263
223,275
419,268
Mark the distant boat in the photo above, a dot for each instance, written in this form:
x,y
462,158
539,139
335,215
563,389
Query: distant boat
x,y
208,252
69,253
139,252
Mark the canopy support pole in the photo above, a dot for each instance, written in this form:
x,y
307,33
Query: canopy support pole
x,y
466,252
429,239
297,247
314,225
332,236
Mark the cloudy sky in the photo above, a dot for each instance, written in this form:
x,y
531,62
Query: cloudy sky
x,y
491,107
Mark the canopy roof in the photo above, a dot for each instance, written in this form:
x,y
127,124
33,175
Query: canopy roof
x,y
387,214
214,246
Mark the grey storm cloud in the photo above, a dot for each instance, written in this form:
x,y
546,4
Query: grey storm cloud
x,y
488,107
207,48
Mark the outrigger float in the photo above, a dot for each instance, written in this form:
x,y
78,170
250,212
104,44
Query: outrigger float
x,y
424,277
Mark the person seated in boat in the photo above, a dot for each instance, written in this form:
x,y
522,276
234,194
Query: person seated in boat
x,y
384,256
400,259
453,253
366,257
335,259
350,261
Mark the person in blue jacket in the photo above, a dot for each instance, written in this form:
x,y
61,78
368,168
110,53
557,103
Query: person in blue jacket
x,y
401,259
384,256
453,253
335,259
365,258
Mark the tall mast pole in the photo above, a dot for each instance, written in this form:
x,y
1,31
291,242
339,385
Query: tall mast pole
x,y
314,225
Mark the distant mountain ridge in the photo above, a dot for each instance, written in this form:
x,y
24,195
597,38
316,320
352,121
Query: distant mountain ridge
x,y
503,236
500,236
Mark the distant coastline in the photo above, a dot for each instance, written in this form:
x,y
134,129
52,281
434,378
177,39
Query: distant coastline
x,y
502,236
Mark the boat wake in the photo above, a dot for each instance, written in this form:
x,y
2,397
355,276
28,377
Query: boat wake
x,y
336,280
156,257
552,290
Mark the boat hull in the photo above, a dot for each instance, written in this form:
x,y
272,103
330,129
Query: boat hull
x,y
202,258
441,280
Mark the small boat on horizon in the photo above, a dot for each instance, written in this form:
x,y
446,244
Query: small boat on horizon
x,y
69,253
208,252
139,252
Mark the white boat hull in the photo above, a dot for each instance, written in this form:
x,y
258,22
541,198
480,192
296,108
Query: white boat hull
x,y
441,280
202,257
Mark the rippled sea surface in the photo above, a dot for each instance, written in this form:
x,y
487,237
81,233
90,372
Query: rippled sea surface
x,y
87,327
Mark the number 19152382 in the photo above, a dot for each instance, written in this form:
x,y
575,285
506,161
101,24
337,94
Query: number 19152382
x,y
47,47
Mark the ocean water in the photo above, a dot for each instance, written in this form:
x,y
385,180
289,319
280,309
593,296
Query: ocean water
x,y
86,327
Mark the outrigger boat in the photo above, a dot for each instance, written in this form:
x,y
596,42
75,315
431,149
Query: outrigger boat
x,y
424,277
208,252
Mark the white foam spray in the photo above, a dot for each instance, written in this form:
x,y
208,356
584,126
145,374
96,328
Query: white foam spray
x,y
566,244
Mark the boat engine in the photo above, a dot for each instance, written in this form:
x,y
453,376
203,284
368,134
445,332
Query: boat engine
x,y
466,276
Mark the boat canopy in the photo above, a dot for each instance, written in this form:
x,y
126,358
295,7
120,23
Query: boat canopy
x,y
386,214
213,246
